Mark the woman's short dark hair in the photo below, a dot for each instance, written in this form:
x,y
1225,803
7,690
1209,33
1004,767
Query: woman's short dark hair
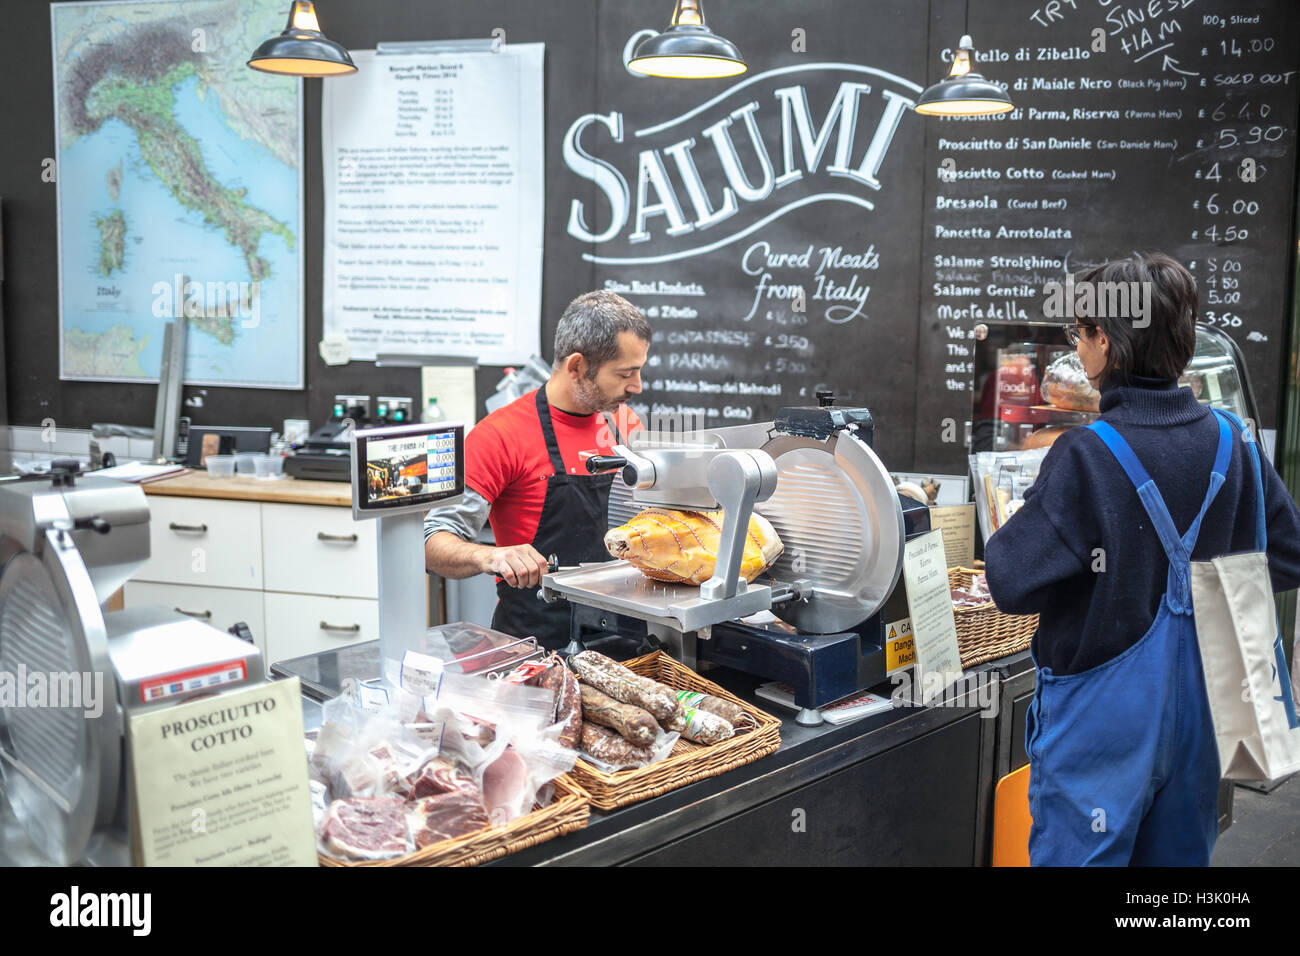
x,y
591,325
1157,342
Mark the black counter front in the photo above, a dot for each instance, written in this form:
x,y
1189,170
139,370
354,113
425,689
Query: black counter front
x,y
911,786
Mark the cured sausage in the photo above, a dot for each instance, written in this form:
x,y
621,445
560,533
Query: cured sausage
x,y
569,708
605,745
733,714
623,685
635,723
568,703
700,726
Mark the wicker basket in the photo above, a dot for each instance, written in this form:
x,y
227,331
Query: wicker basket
x,y
688,762
984,633
568,811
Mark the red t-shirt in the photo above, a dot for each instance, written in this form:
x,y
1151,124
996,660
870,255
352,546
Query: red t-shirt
x,y
507,463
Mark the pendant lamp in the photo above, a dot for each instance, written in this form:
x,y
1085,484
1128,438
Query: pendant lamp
x,y
688,49
302,50
963,92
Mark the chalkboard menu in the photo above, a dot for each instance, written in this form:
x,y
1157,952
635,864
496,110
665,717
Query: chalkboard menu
x,y
769,226
800,227
1163,126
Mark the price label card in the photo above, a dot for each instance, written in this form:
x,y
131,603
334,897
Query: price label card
x,y
929,604
222,781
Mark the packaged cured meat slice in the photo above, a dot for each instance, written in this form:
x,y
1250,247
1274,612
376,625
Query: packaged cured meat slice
x,y
442,775
445,817
505,786
682,546
391,779
366,828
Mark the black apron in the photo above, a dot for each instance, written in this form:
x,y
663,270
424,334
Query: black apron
x,y
572,527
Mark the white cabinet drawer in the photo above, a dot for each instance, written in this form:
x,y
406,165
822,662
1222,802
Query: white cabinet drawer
x,y
317,549
298,624
220,607
204,541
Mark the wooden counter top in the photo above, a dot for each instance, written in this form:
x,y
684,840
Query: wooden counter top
x,y
299,491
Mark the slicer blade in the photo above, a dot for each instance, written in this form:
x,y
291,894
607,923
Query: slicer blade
x,y
839,519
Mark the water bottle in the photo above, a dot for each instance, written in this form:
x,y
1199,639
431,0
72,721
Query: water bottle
x,y
433,414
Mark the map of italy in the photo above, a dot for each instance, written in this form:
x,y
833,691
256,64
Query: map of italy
x,y
179,192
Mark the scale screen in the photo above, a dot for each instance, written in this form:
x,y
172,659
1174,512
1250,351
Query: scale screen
x,y
411,467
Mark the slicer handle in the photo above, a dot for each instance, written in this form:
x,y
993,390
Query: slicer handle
x,y
601,463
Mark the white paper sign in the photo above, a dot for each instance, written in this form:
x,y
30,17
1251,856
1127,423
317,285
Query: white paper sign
x,y
934,626
433,204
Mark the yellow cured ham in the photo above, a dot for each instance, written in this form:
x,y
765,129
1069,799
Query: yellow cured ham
x,y
682,546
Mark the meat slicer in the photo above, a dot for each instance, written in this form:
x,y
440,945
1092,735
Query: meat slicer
x,y
813,474
67,543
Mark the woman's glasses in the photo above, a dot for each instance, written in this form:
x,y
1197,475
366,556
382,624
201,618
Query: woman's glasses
x,y
1075,332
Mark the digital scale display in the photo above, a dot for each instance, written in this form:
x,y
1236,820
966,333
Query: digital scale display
x,y
407,466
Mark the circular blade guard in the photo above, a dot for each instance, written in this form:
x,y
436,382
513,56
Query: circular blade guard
x,y
51,626
837,513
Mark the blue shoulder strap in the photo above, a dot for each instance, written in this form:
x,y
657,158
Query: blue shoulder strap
x,y
1261,526
1178,548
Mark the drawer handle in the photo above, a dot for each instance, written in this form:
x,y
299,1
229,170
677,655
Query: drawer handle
x,y
353,628
201,615
349,538
200,528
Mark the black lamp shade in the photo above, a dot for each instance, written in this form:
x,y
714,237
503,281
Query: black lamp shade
x,y
687,50
302,52
967,95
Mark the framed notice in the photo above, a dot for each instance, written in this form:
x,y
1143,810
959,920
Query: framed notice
x,y
433,204
222,781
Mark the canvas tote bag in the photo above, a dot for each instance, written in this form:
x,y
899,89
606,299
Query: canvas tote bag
x,y
1251,700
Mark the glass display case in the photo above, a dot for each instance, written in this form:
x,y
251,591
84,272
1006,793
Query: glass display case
x,y
1028,388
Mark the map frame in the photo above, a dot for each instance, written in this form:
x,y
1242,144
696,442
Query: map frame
x,y
299,380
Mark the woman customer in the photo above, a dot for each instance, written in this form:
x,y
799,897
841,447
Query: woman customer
x,y
1124,768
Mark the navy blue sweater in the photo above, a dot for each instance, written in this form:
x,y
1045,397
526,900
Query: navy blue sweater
x,y
1041,561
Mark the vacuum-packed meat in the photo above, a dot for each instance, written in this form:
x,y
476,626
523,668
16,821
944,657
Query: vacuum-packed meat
x,y
446,816
366,828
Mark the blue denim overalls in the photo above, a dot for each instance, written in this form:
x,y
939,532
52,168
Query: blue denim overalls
x,y
1124,769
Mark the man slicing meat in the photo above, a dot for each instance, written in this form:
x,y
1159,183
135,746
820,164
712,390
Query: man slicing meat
x,y
524,471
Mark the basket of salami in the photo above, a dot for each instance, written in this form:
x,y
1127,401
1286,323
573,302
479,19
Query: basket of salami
x,y
984,633
651,725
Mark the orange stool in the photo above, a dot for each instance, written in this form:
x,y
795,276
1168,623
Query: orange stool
x,y
1011,819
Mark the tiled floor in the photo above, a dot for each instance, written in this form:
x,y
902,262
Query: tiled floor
x,y
1265,828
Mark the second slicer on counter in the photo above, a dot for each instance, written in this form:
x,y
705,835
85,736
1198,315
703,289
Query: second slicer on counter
x,y
813,474
68,542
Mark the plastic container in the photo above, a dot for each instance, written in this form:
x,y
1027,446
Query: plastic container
x,y
247,464
270,467
221,466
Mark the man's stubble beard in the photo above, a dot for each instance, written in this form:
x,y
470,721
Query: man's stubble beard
x,y
592,400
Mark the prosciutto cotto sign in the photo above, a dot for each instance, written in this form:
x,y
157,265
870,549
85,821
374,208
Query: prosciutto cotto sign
x,y
752,201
